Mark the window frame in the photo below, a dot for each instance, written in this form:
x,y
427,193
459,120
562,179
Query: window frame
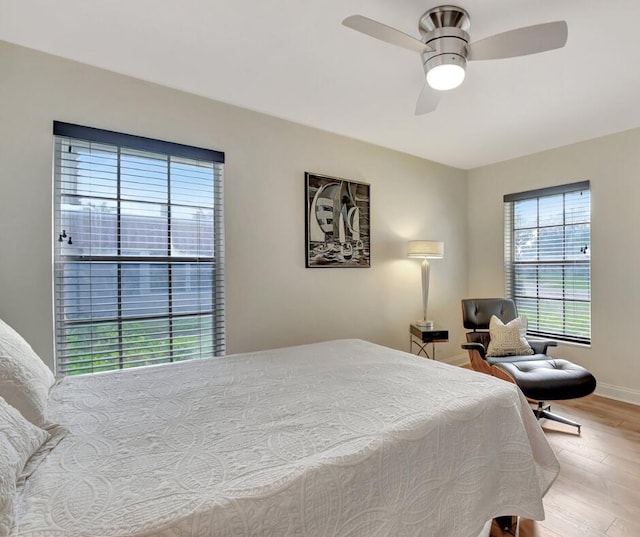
x,y
215,262
511,264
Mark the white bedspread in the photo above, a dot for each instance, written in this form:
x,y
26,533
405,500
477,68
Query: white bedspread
x,y
338,439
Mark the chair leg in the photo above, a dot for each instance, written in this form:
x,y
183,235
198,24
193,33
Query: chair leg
x,y
544,412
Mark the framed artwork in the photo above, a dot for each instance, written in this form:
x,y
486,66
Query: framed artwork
x,y
337,222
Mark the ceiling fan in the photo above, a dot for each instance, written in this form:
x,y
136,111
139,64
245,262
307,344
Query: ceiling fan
x,y
445,48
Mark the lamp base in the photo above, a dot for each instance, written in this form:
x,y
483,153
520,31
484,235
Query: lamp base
x,y
424,324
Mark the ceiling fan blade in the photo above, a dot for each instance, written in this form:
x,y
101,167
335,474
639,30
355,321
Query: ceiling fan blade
x,y
384,33
520,42
427,101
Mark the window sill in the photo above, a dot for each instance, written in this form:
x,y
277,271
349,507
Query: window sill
x,y
574,344
560,342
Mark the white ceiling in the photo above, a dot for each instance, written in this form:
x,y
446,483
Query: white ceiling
x,y
293,59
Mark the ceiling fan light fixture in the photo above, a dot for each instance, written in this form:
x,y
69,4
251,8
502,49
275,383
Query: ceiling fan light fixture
x,y
445,46
446,76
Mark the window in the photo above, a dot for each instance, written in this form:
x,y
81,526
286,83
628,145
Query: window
x,y
547,259
139,251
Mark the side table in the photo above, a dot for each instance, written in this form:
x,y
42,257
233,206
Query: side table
x,y
421,337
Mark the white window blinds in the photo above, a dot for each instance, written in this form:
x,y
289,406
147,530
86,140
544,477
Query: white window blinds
x,y
139,251
548,259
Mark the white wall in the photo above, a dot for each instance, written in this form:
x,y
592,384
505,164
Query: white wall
x,y
272,300
612,164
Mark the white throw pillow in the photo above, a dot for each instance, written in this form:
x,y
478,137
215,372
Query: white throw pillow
x,y
508,339
19,440
24,378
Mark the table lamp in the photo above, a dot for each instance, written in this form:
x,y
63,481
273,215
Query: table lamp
x,y
425,250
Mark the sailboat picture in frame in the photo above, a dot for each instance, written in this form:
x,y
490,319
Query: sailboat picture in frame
x,y
337,222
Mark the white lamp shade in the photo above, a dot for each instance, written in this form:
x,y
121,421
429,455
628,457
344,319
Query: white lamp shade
x,y
426,249
445,77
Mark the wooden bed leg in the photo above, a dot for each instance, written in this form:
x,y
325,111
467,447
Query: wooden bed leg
x,y
505,523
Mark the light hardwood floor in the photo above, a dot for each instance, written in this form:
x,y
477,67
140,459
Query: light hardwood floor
x,y
597,493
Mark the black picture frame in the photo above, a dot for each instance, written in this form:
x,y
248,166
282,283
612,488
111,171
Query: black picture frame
x,y
337,222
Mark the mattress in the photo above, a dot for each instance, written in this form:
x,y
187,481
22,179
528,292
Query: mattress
x,y
337,439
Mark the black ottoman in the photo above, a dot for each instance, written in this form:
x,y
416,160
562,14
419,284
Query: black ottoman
x,y
544,380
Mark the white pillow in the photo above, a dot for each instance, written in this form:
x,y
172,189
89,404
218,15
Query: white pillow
x,y
24,378
19,440
508,339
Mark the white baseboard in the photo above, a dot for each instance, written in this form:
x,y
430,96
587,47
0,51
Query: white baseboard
x,y
626,395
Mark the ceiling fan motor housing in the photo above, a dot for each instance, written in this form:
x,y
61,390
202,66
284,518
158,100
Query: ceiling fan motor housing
x,y
444,29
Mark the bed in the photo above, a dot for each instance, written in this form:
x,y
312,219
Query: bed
x,y
337,439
